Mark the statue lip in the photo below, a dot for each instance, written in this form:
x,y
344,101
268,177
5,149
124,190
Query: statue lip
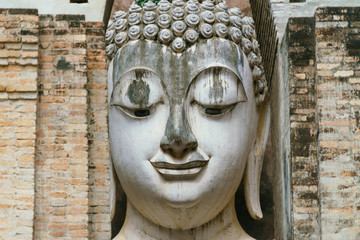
x,y
182,166
168,166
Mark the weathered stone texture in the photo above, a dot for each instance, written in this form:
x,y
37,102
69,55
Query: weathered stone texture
x,y
18,92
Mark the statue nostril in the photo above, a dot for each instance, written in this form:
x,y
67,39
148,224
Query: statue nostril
x,y
167,148
192,145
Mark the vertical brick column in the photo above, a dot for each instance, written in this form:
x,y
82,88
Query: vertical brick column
x,y
18,95
303,129
99,211
62,144
338,90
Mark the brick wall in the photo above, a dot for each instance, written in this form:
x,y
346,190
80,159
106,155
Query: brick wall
x,y
303,128
338,106
284,9
18,93
99,181
62,157
54,161
72,191
325,131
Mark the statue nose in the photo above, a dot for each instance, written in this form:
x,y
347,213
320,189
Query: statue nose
x,y
178,139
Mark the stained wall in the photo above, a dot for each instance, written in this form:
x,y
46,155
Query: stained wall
x,y
53,146
323,59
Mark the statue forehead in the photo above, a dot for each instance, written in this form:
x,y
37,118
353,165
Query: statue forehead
x,y
178,69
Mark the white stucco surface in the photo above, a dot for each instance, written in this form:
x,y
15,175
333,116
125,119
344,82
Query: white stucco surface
x,y
93,10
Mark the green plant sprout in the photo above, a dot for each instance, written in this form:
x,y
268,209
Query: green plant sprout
x,y
142,2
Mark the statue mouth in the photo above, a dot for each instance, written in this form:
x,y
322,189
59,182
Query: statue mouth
x,y
183,166
189,168
170,167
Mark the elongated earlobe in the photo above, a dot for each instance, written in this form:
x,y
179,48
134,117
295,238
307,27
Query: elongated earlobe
x,y
254,164
112,191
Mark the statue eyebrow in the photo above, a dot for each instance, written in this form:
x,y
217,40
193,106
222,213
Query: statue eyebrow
x,y
137,70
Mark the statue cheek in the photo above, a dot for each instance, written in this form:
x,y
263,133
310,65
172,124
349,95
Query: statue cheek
x,y
136,139
211,133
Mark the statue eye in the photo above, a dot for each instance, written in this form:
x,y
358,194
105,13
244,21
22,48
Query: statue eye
x,y
142,113
214,110
138,112
137,94
217,90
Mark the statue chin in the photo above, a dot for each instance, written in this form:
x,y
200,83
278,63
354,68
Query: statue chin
x,y
182,203
184,126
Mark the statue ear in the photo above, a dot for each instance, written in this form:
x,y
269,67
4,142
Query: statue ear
x,y
110,84
255,161
113,188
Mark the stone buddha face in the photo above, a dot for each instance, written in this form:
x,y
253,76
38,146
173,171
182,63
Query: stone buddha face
x,y
183,127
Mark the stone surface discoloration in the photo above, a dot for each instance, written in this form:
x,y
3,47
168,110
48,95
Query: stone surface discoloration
x,y
139,91
62,64
217,89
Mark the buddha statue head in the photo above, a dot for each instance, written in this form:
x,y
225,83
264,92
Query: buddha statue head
x,y
188,117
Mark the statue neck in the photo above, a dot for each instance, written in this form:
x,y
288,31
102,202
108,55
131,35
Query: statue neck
x,y
225,226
